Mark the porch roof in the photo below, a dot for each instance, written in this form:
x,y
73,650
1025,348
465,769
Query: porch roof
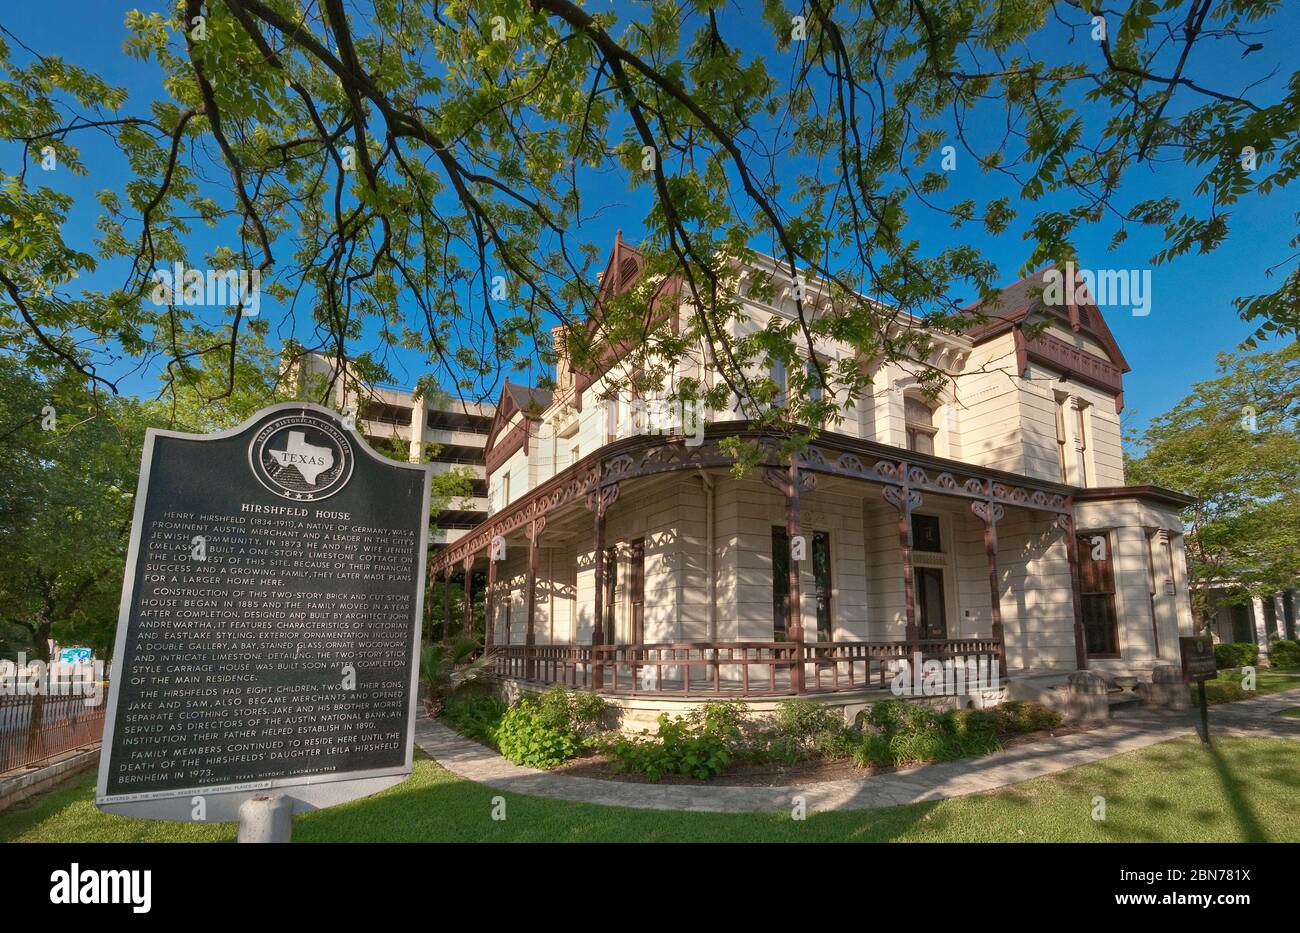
x,y
828,453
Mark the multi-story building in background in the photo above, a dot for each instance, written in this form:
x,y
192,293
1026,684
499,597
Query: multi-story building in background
x,y
449,433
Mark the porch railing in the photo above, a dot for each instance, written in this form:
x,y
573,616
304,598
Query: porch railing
x,y
750,669
36,728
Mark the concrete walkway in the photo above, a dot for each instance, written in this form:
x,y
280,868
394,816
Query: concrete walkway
x,y
1127,731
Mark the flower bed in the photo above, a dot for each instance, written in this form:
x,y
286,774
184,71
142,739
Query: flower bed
x,y
723,741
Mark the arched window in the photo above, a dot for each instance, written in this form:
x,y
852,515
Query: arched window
x,y
919,419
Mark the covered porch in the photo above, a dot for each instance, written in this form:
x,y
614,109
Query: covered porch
x,y
831,574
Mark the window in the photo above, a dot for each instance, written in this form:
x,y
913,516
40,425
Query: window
x,y
611,419
575,453
1097,585
1062,441
1082,442
776,372
814,381
505,489
925,533
780,582
919,420
821,555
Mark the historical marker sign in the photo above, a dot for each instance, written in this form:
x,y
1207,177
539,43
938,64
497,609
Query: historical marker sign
x,y
270,621
1198,658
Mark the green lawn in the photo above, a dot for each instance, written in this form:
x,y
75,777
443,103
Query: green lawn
x,y
1240,789
1226,688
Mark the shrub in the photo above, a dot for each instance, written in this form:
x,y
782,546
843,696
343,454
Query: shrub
x,y
907,733
724,719
699,746
967,723
837,742
803,720
1236,654
588,711
1017,716
1285,654
546,731
895,717
529,735
475,717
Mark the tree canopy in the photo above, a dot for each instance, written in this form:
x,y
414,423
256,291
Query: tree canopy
x,y
1234,444
421,171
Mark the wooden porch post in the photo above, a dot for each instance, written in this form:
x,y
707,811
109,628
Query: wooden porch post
x,y
599,500
991,513
794,627
905,499
446,604
789,483
489,622
534,532
1066,524
468,564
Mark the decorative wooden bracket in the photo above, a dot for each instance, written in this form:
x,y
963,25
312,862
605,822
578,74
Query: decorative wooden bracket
x,y
894,495
534,528
600,499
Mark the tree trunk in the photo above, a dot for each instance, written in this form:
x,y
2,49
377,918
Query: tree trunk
x,y
42,649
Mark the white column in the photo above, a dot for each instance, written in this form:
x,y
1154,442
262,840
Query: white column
x,y
418,422
1261,634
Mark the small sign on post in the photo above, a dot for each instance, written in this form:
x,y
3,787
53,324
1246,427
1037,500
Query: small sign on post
x,y
1199,666
278,660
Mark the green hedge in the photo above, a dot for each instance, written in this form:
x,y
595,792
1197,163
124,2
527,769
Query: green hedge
x,y
1236,654
1285,654
908,733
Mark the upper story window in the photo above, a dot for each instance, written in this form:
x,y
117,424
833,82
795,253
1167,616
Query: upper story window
x,y
814,381
776,372
1081,421
1062,439
919,420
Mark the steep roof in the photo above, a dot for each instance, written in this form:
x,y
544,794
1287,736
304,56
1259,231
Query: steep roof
x,y
1013,304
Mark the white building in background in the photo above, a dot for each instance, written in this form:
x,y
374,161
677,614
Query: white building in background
x,y
446,432
1259,621
994,522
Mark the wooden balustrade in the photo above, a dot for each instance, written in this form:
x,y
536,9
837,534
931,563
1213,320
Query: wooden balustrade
x,y
742,669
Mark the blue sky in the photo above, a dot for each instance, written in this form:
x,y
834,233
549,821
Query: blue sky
x,y
1191,318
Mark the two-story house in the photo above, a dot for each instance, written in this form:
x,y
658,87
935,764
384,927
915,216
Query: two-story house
x,y
990,522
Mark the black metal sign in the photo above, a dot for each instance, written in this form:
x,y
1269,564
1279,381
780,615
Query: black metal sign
x,y
269,626
1198,658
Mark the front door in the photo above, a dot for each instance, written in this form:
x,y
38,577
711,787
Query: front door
x,y
931,618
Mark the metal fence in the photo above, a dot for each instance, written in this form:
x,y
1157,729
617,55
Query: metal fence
x,y
35,729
